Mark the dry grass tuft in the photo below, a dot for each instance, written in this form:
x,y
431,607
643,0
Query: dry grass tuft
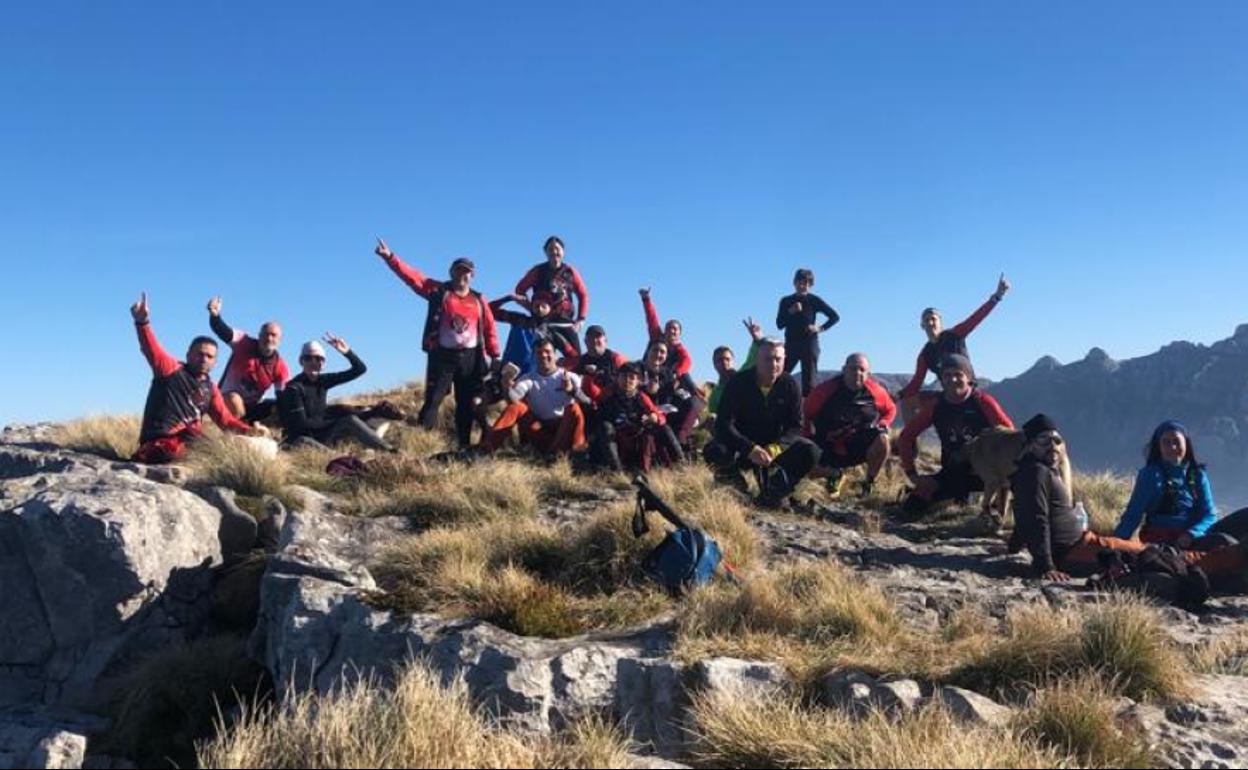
x,y
493,489
168,701
777,732
1122,639
114,437
1105,496
1226,654
1077,718
419,723
803,614
219,459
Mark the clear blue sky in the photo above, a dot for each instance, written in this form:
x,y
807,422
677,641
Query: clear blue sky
x,y
907,152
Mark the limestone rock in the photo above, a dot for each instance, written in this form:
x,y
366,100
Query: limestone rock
x,y
736,676
973,707
1211,731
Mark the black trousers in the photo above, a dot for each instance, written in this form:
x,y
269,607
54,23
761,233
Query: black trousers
x,y
804,351
798,459
464,370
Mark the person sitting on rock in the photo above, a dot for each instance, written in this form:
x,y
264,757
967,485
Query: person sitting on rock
x,y
942,343
1172,497
179,396
678,355
959,414
677,395
759,428
307,419
254,366
527,328
631,428
848,417
1047,524
724,362
546,406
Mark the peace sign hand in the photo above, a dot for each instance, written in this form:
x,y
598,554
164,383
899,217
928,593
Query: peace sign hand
x,y
337,343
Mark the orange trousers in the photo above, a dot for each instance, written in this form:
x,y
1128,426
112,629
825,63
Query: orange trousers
x,y
557,436
1228,560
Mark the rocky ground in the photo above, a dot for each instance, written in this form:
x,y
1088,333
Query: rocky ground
x,y
105,562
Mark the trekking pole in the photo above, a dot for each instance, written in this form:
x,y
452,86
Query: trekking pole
x,y
652,502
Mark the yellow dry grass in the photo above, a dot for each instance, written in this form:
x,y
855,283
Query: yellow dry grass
x,y
418,723
1076,717
219,459
1104,496
113,436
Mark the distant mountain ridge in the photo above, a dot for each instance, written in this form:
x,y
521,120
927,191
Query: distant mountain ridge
x,y
1107,409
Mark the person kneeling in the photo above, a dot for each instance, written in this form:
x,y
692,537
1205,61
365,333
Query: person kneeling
x,y
631,427
1048,525
306,418
848,417
760,427
545,406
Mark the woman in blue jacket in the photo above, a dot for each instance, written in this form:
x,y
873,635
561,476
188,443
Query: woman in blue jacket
x,y
1172,497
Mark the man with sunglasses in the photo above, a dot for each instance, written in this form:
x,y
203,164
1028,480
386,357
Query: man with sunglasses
x,y
306,417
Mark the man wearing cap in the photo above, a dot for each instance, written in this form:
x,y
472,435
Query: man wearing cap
x,y
598,365
1060,544
459,333
303,403
179,396
759,428
254,366
631,428
959,414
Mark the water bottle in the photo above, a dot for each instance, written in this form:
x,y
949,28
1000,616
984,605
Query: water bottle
x,y
1081,515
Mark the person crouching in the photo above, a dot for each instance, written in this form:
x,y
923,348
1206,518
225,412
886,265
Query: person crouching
x,y
545,406
631,428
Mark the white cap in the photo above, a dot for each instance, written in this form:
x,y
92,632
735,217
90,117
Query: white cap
x,y
312,348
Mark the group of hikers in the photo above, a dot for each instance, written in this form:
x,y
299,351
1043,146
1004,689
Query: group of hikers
x,y
595,404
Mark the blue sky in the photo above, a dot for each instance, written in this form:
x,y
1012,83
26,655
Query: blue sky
x,y
907,152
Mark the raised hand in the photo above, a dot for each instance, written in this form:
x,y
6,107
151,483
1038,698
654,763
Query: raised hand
x,y
1003,287
568,385
214,307
644,292
139,311
337,343
383,250
753,327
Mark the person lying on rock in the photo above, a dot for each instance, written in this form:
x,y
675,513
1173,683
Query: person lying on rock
x,y
959,414
631,428
179,396
1047,525
253,367
546,406
1172,495
848,417
307,418
759,428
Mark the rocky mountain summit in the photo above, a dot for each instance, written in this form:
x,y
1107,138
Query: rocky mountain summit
x,y
107,563
1109,408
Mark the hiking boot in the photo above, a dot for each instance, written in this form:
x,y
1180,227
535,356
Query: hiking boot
x,y
773,502
733,479
387,411
835,483
868,486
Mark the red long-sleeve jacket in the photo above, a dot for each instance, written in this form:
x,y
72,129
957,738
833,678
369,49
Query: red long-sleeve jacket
x,y
557,285
442,305
949,342
678,354
872,407
177,399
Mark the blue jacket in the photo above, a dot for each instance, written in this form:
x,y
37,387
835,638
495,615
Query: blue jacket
x,y
1193,515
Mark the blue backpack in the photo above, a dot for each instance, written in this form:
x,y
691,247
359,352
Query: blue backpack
x,y
686,558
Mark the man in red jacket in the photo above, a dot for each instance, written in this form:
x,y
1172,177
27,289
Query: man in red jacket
x,y
959,414
180,395
678,356
253,367
459,333
848,416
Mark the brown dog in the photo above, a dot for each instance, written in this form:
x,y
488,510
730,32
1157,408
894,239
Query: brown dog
x,y
994,456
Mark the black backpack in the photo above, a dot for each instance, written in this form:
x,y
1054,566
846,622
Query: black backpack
x,y
1159,571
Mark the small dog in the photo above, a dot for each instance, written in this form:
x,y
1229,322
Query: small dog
x,y
994,456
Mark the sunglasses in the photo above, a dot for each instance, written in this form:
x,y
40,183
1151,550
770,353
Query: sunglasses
x,y
1050,440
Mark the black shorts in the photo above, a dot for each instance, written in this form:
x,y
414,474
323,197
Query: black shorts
x,y
259,411
957,482
850,451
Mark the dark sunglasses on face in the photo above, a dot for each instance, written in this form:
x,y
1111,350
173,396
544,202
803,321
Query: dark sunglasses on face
x,y
1050,440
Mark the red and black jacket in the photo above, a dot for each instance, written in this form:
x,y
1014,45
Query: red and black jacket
x,y
436,292
556,285
177,399
949,342
833,410
955,424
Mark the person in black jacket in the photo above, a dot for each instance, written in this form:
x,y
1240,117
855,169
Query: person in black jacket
x,y
306,418
797,316
759,427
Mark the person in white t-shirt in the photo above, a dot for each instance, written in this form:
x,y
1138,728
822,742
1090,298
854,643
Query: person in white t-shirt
x,y
546,406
